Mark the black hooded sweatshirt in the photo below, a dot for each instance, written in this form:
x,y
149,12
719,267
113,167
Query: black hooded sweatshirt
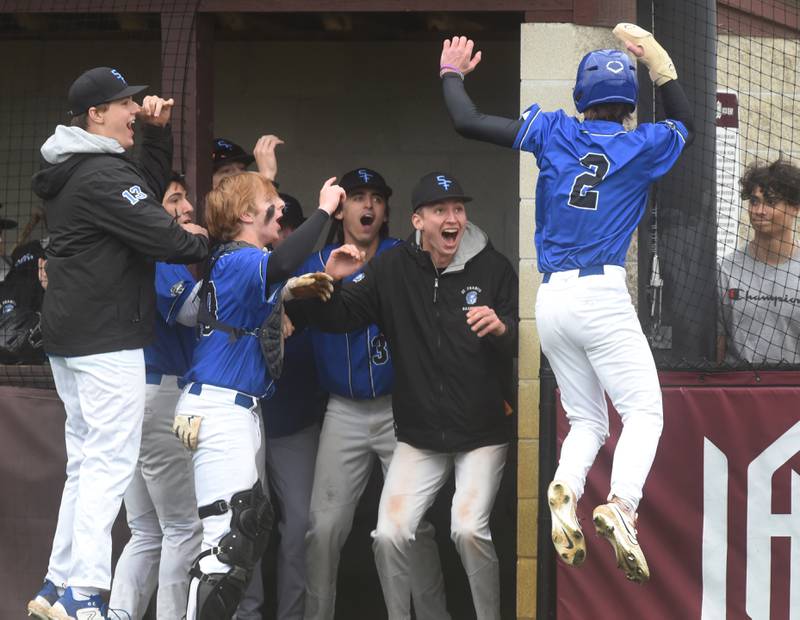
x,y
450,387
107,227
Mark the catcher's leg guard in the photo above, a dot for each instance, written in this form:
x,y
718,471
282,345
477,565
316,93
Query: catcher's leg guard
x,y
218,594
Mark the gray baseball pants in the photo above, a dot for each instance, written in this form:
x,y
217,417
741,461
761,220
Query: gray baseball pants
x,y
353,433
162,514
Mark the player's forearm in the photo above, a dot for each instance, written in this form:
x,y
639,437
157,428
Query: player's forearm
x,y
676,106
469,122
155,157
295,249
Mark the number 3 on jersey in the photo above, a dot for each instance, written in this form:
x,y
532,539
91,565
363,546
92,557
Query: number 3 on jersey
x,y
582,196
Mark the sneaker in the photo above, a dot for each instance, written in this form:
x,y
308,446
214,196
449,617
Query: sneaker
x,y
616,522
92,608
43,600
566,533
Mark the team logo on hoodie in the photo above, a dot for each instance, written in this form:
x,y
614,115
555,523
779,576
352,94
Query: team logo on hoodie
x,y
470,294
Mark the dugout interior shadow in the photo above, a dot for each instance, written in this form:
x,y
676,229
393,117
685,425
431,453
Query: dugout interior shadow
x,y
346,90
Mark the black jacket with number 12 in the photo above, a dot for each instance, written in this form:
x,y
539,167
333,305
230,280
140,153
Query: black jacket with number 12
x,y
451,388
107,229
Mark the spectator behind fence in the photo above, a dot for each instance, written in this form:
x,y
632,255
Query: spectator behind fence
x,y
107,227
759,285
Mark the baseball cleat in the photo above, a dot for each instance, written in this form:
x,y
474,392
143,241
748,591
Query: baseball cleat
x,y
566,531
44,599
617,524
92,608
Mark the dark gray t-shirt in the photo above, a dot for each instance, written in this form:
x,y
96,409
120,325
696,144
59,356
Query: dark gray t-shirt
x,y
759,309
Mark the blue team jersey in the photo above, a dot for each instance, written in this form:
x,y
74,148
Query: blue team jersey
x,y
241,297
593,182
171,351
357,364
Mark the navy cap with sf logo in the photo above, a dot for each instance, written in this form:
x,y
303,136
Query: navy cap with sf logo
x,y
364,177
435,187
96,86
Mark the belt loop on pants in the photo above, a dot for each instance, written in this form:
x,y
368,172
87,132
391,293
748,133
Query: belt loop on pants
x,y
593,270
241,399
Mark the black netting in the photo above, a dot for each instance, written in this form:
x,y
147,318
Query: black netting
x,y
720,273
44,50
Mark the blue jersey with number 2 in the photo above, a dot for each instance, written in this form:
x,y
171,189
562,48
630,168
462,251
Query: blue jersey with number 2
x,y
593,181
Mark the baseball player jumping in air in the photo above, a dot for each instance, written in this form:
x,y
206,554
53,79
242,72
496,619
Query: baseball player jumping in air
x,y
356,369
590,196
217,413
107,226
160,502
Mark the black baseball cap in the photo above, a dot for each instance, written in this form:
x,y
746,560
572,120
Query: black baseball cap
x,y
292,212
96,86
435,187
226,152
365,177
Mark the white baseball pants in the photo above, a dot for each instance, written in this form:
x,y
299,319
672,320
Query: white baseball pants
x,y
591,335
414,479
103,396
353,432
224,463
162,514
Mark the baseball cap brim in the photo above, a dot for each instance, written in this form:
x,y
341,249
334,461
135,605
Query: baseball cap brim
x,y
6,224
383,190
442,199
130,91
242,159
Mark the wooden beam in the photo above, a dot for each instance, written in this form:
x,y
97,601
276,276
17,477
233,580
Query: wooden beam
x,y
187,40
270,6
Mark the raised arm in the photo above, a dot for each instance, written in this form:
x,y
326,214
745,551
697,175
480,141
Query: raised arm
x,y
455,63
662,71
155,156
297,246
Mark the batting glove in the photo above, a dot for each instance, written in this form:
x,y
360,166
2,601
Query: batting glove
x,y
309,286
187,428
655,57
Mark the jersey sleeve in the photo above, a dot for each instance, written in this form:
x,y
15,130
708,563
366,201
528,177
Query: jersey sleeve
x,y
312,264
127,211
536,128
173,286
667,141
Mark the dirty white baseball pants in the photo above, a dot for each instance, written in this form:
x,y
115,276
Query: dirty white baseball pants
x,y
353,432
590,334
224,462
103,396
162,514
415,477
